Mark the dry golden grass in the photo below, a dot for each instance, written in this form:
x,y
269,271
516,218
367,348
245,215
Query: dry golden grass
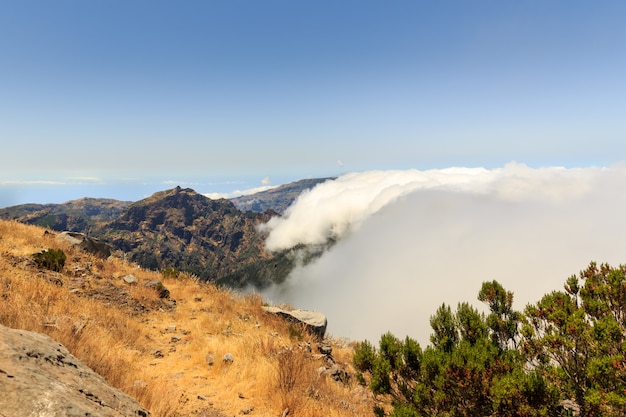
x,y
156,350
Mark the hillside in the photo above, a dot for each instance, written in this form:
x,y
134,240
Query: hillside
x,y
168,352
80,215
181,229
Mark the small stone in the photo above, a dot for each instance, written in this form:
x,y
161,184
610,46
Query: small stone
x,y
175,339
156,353
170,329
247,410
240,395
228,358
130,279
325,349
159,287
202,397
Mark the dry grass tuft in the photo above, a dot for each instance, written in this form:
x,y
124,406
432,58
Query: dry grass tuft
x,y
157,350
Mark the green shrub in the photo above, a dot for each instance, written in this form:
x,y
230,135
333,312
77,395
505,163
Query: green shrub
x,y
170,273
364,356
379,411
361,379
295,332
52,259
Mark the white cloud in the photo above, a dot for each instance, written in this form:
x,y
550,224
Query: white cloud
x,y
414,239
85,179
238,193
266,181
30,182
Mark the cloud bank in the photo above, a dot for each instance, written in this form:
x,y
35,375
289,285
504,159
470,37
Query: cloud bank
x,y
411,240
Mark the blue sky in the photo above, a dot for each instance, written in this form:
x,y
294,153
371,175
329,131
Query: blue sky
x,y
123,98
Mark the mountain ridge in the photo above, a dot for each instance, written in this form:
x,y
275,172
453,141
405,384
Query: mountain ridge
x,y
181,229
277,198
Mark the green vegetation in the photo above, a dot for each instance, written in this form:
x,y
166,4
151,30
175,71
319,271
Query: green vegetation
x,y
170,273
564,355
52,259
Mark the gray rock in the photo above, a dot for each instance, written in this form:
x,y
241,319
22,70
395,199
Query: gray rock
x,y
325,349
158,286
40,377
228,358
338,374
130,279
315,322
87,243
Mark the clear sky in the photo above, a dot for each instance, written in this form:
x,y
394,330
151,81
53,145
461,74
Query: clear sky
x,y
121,98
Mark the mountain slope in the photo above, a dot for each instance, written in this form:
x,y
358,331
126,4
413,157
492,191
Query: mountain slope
x,y
76,215
169,353
184,230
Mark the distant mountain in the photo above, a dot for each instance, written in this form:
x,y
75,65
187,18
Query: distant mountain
x,y
277,199
77,215
179,228
184,230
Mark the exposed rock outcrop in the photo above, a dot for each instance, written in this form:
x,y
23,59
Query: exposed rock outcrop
x,y
315,322
86,243
38,376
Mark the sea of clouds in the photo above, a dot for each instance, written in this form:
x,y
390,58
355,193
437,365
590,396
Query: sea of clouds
x,y
408,241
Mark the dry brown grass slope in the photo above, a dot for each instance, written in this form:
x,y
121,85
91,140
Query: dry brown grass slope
x,y
156,350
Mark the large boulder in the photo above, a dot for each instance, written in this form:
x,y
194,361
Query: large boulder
x,y
39,377
315,322
87,243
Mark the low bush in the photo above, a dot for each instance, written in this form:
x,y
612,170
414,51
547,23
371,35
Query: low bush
x,y
52,259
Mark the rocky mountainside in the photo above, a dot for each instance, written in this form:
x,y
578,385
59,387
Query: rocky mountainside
x,y
80,215
186,231
181,229
276,199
